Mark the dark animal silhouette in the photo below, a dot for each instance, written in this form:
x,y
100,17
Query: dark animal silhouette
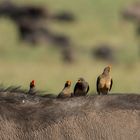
x,y
104,52
64,16
31,21
16,12
132,12
31,32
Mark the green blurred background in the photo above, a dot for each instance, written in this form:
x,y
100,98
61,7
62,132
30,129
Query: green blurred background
x,y
97,21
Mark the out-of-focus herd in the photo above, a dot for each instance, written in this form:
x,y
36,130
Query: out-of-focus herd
x,y
33,25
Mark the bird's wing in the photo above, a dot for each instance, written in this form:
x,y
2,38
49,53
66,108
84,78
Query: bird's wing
x,y
97,83
75,88
61,93
111,84
87,87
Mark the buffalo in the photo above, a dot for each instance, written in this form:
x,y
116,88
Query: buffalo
x,y
94,117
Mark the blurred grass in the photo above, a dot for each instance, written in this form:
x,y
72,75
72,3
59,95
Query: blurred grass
x,y
97,21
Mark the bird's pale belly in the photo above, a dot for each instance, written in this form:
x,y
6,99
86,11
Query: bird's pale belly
x,y
104,83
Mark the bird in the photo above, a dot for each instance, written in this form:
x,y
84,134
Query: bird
x,y
81,87
104,81
32,90
66,91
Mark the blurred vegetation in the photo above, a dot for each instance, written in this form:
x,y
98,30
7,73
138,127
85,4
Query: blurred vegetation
x,y
98,21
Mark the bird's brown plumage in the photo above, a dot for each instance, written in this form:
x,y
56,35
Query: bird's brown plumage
x,y
81,88
104,81
66,92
